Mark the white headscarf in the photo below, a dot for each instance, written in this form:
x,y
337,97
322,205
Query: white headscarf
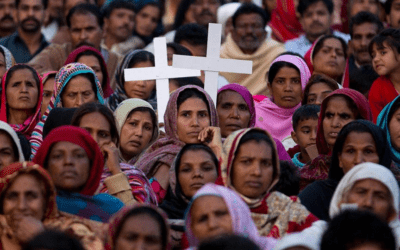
x,y
10,131
225,12
298,239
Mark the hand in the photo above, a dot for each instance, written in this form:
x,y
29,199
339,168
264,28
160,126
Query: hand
x,y
211,136
27,227
111,156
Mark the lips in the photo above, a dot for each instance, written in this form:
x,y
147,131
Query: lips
x,y
333,134
253,184
135,143
332,63
24,98
234,126
194,133
69,174
288,98
197,185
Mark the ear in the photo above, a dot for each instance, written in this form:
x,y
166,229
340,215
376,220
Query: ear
x,y
294,137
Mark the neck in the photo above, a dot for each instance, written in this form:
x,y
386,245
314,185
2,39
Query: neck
x,y
31,39
4,33
126,157
248,52
395,78
109,41
16,116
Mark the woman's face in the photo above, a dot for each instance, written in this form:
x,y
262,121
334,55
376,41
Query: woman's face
x,y
7,154
210,218
196,169
98,127
146,20
48,90
193,117
394,129
252,169
330,59
286,88
337,114
3,65
139,232
22,91
92,62
136,134
78,92
140,89
358,147
233,112
318,92
69,166
24,198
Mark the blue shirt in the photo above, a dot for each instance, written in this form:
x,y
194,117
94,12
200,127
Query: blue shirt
x,y
18,47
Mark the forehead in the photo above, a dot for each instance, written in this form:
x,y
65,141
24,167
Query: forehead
x,y
337,102
22,74
193,155
66,146
88,59
207,204
78,82
371,184
122,10
30,183
332,43
82,20
317,7
230,96
30,2
253,148
365,28
249,18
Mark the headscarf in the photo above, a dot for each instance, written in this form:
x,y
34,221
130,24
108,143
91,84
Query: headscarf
x,y
242,223
9,58
120,95
294,240
47,75
10,131
284,23
159,30
165,149
277,120
73,58
29,124
82,138
225,12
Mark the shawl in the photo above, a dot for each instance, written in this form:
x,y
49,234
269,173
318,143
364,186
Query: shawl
x,y
317,196
13,135
9,58
262,58
64,75
225,12
125,213
274,213
29,124
107,91
273,118
164,150
242,223
120,95
284,23
381,93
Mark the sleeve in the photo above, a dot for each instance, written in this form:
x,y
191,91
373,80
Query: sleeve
x,y
118,186
375,100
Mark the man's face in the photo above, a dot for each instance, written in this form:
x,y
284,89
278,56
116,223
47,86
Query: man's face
x,y
249,33
393,19
316,20
362,35
85,30
357,6
55,8
205,11
30,15
7,8
120,23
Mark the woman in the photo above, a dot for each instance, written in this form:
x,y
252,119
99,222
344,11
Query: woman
x,y
251,168
229,215
138,227
48,80
94,59
287,78
147,20
359,141
145,90
21,221
190,113
328,56
10,149
119,179
318,88
21,99
77,184
337,109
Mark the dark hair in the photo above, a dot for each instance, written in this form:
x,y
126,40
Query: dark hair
x,y
141,56
388,6
304,4
349,102
118,4
14,145
94,107
180,13
362,79
320,43
45,3
229,242
305,112
191,33
276,67
289,179
390,36
178,49
196,147
250,8
353,228
364,17
393,109
188,81
318,78
54,240
192,93
101,63
145,109
154,214
85,9
25,146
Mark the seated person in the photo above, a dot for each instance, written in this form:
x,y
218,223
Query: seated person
x,y
318,87
10,146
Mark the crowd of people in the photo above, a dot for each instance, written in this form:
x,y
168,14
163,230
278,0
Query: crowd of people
x,y
304,153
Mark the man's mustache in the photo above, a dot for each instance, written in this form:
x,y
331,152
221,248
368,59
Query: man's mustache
x,y
7,17
31,19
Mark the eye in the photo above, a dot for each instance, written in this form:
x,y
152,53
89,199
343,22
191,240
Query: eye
x,y
350,151
103,134
311,100
148,128
134,124
243,107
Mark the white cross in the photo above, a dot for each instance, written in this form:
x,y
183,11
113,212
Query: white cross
x,y
212,63
161,73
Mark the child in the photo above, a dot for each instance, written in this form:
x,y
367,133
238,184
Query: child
x,y
305,123
385,52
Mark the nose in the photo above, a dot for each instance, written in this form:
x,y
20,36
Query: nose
x,y
288,86
368,201
234,113
83,35
141,83
212,223
79,101
313,135
256,169
194,122
335,122
139,131
139,245
24,88
197,173
22,203
364,41
31,12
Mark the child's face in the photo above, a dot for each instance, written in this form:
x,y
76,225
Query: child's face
x,y
306,133
384,59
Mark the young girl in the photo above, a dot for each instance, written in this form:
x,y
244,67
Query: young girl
x,y
384,50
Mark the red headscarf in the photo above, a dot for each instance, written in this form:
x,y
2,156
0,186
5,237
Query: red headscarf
x,y
83,139
73,58
284,23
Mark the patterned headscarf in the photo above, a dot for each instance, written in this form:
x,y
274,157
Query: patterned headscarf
x,y
9,58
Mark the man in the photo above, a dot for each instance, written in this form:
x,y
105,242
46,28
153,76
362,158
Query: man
x,y
118,25
357,6
85,25
392,9
7,23
28,40
54,19
193,37
205,11
248,42
316,19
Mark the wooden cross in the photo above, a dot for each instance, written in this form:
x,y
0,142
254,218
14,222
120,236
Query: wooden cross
x,y
161,73
212,63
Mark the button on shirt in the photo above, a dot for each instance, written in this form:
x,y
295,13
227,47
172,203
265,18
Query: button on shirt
x,y
19,49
